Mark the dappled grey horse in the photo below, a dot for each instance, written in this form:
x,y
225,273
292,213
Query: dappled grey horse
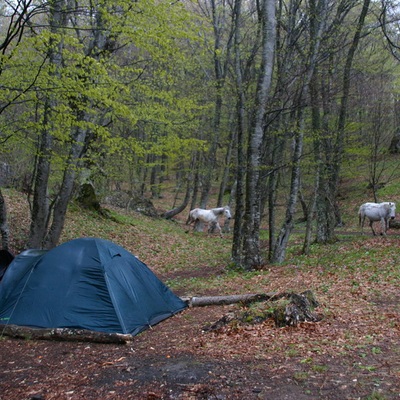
x,y
210,217
382,212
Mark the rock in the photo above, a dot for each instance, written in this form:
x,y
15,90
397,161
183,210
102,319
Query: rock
x,y
87,197
132,202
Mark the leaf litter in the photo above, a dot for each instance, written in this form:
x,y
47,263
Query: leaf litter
x,y
352,353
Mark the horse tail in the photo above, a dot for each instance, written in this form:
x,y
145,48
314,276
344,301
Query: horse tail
x,y
190,218
361,215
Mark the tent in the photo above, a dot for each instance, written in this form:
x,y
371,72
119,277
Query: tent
x,y
87,283
5,260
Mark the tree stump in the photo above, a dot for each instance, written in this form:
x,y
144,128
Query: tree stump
x,y
296,308
286,309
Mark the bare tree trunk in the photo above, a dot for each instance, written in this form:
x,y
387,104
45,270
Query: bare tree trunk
x,y
250,252
279,251
175,211
310,216
3,223
155,178
220,68
225,175
65,193
240,110
318,13
339,145
198,226
80,139
229,299
328,216
40,203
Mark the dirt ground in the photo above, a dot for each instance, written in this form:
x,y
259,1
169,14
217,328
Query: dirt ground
x,y
178,360
352,353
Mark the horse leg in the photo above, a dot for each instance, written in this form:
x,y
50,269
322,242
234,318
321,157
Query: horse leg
x,y
384,226
192,221
199,225
189,222
211,226
218,226
372,228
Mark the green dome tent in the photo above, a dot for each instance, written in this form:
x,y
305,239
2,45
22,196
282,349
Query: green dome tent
x,y
86,283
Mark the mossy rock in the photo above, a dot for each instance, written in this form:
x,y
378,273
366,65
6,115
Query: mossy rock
x,y
87,197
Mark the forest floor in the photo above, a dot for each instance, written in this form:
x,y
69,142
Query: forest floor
x,y
352,353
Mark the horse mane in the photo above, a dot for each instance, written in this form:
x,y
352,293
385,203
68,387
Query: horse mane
x,y
219,210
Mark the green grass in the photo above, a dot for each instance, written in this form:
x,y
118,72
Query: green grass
x,y
181,256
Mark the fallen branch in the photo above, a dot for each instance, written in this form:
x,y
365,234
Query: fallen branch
x,y
63,334
224,300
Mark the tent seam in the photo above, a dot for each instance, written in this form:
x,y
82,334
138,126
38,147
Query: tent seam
x,y
114,301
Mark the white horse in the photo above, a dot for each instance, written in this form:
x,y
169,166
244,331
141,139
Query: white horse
x,y
210,217
377,212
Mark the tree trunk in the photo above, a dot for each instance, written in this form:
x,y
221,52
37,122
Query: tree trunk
x,y
218,20
279,251
40,208
339,145
309,217
175,211
4,231
297,308
317,12
225,175
80,141
41,204
250,252
65,193
240,169
328,216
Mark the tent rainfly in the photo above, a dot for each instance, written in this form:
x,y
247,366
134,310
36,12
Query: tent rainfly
x,y
87,283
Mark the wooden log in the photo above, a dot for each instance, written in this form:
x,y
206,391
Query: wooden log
x,y
229,299
63,334
296,308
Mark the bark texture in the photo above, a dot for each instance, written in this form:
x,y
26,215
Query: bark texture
x,y
63,334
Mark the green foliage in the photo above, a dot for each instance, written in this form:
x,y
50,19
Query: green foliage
x,y
132,104
376,396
